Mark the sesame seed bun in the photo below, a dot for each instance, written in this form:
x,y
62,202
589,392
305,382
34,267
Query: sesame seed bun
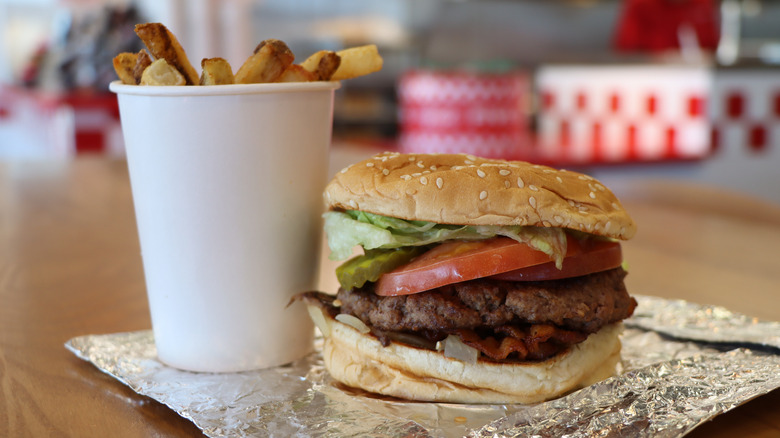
x,y
467,190
360,361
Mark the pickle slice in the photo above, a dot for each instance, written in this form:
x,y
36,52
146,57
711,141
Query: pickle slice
x,y
356,271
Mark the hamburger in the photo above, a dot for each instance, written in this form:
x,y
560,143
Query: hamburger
x,y
479,280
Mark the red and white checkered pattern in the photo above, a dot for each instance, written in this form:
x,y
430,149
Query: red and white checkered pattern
x,y
464,112
745,109
39,124
592,114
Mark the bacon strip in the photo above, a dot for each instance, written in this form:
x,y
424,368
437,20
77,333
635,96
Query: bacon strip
x,y
538,341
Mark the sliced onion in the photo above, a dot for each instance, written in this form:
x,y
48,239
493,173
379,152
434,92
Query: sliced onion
x,y
353,322
455,348
319,320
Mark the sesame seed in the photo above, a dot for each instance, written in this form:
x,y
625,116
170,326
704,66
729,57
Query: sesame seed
x,y
385,172
412,158
352,203
592,195
615,206
439,182
406,177
559,179
468,162
571,203
600,187
533,187
532,201
520,182
504,172
607,225
416,174
558,219
344,170
471,157
433,167
482,195
423,180
546,223
420,164
548,171
507,184
369,164
481,173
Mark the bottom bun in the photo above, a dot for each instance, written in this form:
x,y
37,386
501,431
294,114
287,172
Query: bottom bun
x,y
359,360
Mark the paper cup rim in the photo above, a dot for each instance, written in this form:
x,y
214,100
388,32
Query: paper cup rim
x,y
222,90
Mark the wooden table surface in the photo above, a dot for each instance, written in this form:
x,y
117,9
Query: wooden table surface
x,y
70,265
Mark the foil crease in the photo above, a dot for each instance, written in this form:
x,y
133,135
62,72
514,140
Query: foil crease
x,y
683,320
683,364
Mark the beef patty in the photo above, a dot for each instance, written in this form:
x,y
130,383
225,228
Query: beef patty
x,y
584,304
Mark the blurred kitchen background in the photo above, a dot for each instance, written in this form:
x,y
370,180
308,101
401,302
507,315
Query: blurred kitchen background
x,y
625,90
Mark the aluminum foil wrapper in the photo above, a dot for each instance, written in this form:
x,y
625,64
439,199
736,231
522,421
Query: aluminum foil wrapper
x,y
683,364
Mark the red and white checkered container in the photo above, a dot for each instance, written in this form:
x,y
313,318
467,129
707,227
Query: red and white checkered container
x,y
616,114
484,114
745,109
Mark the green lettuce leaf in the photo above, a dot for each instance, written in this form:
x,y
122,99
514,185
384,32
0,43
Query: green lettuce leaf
x,y
348,229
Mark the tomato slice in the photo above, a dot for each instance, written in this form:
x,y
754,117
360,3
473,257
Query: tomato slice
x,y
594,256
458,261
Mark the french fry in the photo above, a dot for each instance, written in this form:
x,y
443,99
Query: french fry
x,y
328,65
216,71
313,61
296,73
357,61
270,59
323,63
162,73
143,61
123,65
162,44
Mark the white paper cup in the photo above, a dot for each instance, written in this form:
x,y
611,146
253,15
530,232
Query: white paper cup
x,y
227,185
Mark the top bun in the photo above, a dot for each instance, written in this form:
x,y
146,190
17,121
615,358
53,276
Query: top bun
x,y
468,190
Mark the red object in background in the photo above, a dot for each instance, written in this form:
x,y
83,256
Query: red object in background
x,y
735,105
714,139
548,100
582,101
93,114
614,103
653,25
652,105
777,104
696,106
758,138
467,112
